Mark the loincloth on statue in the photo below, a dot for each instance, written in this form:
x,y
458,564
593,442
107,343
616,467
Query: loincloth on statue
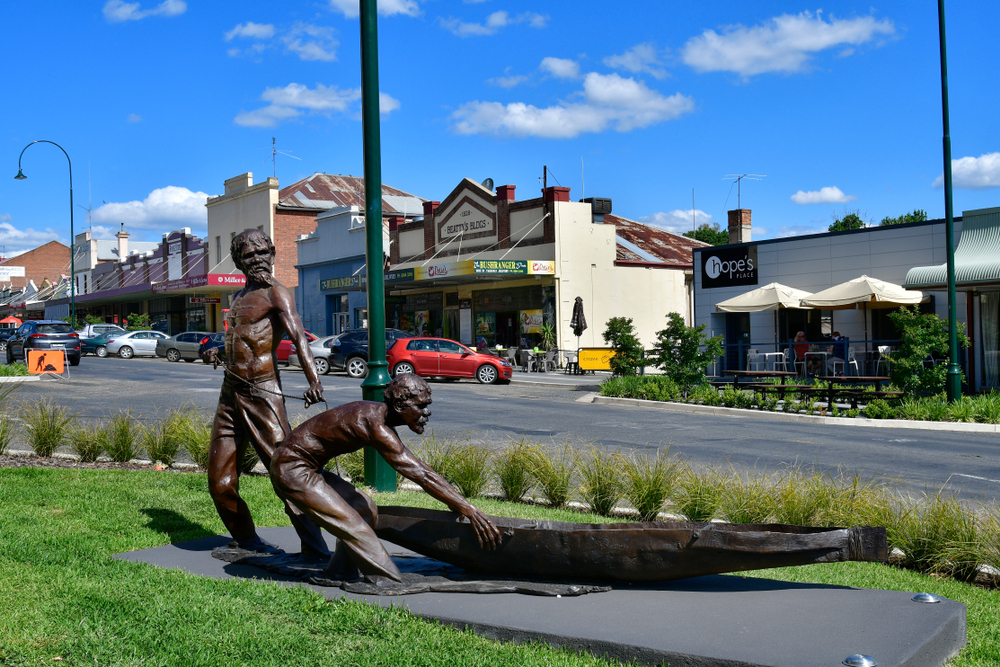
x,y
253,409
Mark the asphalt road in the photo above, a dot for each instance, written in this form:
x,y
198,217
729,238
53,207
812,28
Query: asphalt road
x,y
552,414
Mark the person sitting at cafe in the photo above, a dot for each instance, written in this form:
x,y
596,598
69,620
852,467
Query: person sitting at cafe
x,y
800,346
838,352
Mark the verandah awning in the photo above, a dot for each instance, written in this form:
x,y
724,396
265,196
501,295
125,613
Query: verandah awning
x,y
977,257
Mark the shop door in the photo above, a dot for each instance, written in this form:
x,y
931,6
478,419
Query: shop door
x,y
452,328
737,339
508,329
341,322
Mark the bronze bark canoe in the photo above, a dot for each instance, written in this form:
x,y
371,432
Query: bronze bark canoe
x,y
625,551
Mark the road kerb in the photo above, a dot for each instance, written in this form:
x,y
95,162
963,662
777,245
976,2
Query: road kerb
x,y
786,417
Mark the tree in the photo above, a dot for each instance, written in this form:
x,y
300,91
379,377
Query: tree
x,y
848,220
138,322
918,215
678,351
620,334
710,234
923,336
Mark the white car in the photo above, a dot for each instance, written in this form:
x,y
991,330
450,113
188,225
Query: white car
x,y
132,343
321,354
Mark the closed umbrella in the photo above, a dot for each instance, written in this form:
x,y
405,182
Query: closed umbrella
x,y
868,292
768,297
578,322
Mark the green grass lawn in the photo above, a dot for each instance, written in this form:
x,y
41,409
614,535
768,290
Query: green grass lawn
x,y
63,596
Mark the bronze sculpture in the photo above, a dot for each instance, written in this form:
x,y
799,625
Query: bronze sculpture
x,y
251,406
298,476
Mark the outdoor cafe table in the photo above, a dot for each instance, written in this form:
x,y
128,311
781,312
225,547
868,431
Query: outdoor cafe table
x,y
877,380
784,375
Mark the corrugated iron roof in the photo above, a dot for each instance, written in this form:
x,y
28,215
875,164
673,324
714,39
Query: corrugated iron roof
x,y
639,242
325,191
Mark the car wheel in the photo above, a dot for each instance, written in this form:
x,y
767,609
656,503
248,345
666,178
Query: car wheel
x,y
74,361
101,351
401,368
487,374
10,356
173,354
322,365
358,367
126,352
190,361
3,345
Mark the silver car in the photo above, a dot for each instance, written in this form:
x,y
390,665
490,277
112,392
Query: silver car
x,y
182,346
321,354
135,343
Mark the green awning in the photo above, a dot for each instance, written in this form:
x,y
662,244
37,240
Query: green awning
x,y
977,257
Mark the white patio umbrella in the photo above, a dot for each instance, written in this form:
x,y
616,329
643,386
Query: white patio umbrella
x,y
868,292
768,297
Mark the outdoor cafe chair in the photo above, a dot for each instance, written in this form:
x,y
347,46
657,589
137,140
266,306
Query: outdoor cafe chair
x,y
754,359
529,360
851,360
883,350
572,362
550,360
781,363
512,355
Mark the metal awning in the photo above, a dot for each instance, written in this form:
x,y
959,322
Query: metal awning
x,y
977,257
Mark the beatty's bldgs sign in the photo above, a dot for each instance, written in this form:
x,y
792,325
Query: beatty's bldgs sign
x,y
729,267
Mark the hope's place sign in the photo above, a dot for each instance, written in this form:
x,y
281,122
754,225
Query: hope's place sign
x,y
729,267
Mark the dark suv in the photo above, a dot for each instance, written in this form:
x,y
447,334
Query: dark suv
x,y
349,351
44,335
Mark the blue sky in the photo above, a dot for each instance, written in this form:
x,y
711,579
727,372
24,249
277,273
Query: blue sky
x,y
839,105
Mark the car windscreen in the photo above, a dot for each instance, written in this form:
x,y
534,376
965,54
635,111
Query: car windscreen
x,y
54,328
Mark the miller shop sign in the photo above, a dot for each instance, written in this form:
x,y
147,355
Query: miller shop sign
x,y
729,267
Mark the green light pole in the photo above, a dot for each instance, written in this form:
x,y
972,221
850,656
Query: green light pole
x,y
954,380
72,238
378,473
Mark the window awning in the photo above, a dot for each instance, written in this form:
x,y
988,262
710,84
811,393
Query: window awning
x,y
977,257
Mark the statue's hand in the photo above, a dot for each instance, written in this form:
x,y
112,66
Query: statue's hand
x,y
212,357
314,394
486,532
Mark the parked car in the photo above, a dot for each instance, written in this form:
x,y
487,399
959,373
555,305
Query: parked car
x,y
182,346
97,344
349,350
213,341
320,349
134,343
285,347
95,330
44,335
5,333
440,357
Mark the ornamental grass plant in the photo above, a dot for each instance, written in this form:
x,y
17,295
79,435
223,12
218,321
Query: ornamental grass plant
x,y
553,471
13,370
194,430
87,441
46,425
804,498
350,466
161,438
747,496
698,494
649,480
512,468
470,468
938,534
122,437
601,479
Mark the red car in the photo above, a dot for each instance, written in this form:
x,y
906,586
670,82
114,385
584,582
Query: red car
x,y
440,357
285,347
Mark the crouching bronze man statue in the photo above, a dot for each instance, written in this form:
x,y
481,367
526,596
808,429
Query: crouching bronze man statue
x,y
299,478
251,406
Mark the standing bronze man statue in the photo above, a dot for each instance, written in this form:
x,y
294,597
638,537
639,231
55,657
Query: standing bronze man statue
x,y
251,406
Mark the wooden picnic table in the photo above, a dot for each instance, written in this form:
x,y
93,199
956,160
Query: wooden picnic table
x,y
784,375
853,393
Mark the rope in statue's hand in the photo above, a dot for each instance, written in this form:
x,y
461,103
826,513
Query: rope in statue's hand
x,y
305,398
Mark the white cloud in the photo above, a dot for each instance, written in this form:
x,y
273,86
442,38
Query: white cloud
x,y
678,221
560,67
828,195
350,9
117,11
17,241
310,42
494,22
609,101
133,118
171,207
6,217
782,44
974,173
252,30
640,58
508,81
295,98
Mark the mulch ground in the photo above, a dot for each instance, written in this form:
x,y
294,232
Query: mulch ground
x,y
8,461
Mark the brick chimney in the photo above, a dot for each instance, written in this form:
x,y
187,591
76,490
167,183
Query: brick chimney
x,y
122,237
739,226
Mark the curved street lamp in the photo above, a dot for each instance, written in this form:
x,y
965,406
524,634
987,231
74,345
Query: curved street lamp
x,y
72,239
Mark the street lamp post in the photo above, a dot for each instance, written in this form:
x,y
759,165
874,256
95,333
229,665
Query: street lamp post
x,y
72,238
953,383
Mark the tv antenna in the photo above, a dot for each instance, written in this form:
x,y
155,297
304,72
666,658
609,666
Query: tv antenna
x,y
274,157
737,181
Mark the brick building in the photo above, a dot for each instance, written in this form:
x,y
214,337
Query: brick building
x,y
49,261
